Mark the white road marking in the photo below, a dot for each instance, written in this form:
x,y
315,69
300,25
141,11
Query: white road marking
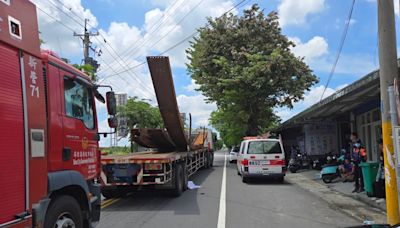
x,y
222,199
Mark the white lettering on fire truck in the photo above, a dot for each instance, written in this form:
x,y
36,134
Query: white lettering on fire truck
x,y
83,157
34,87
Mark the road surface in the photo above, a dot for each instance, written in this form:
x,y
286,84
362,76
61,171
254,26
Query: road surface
x,y
261,203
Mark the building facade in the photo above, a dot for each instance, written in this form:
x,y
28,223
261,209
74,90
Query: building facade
x,y
326,126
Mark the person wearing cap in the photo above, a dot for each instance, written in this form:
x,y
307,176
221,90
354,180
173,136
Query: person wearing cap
x,y
356,159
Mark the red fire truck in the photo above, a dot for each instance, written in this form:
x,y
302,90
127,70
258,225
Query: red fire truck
x,y
49,153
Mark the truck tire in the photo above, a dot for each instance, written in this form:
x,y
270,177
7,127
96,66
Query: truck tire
x,y
63,211
178,181
211,159
185,177
206,160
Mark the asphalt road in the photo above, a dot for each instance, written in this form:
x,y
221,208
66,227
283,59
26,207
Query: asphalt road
x,y
261,203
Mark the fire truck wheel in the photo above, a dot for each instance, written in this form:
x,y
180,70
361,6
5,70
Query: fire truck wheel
x,y
178,181
63,212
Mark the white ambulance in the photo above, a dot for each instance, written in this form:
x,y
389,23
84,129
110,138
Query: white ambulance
x,y
260,157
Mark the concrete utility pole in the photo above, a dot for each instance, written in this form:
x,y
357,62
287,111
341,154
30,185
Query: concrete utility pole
x,y
87,46
388,72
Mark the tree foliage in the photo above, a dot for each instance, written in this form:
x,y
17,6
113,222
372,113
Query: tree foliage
x,y
88,69
244,65
140,114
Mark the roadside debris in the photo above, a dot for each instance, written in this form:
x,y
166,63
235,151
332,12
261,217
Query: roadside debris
x,y
192,185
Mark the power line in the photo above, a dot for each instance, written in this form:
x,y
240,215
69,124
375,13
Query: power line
x,y
180,42
153,28
343,39
66,26
111,54
148,40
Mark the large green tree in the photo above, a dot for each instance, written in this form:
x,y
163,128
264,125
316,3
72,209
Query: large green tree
x,y
140,114
244,65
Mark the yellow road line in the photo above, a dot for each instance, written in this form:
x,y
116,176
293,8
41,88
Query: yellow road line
x,y
107,203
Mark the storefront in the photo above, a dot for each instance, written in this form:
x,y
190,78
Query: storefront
x,y
326,126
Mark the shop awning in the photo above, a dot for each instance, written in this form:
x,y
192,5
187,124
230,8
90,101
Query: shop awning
x,y
342,101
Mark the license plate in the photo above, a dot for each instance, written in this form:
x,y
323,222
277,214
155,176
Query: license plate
x,y
264,162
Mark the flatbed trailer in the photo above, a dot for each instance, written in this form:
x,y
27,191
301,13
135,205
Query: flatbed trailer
x,y
161,170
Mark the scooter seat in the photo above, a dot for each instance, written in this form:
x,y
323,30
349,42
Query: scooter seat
x,y
330,165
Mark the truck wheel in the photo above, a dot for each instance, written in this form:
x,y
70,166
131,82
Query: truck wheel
x,y
63,212
206,160
178,181
211,159
185,177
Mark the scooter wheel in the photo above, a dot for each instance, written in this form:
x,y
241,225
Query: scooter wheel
x,y
293,169
327,179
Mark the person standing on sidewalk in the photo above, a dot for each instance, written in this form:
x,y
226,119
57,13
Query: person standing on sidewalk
x,y
379,185
356,158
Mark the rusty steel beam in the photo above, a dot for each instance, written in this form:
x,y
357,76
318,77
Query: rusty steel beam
x,y
160,71
153,138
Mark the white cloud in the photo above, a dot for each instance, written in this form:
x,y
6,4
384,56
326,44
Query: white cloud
x,y
55,35
192,86
197,106
292,12
312,49
317,56
311,97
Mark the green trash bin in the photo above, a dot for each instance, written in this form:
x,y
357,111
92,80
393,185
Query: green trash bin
x,y
369,171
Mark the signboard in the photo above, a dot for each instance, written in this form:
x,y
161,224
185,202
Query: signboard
x,y
396,142
320,138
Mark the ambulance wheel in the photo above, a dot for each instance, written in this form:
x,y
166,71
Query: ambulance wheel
x,y
244,179
63,211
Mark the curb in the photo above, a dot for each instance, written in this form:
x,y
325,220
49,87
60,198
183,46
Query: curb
x,y
338,208
362,199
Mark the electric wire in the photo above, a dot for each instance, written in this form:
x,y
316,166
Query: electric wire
x,y
116,56
181,41
342,40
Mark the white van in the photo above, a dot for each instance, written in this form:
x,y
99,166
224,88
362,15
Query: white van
x,y
261,157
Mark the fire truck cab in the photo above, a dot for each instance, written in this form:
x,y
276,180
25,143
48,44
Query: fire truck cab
x,y
49,152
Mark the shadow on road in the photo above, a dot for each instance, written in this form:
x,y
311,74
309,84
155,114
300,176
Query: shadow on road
x,y
265,180
160,200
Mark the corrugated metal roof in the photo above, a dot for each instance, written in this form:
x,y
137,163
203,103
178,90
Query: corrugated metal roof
x,y
340,102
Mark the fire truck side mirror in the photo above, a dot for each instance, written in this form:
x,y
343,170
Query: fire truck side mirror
x,y
111,103
113,122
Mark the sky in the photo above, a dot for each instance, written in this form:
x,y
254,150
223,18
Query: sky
x,y
130,30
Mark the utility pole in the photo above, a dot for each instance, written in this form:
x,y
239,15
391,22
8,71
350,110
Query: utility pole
x,y
387,73
87,46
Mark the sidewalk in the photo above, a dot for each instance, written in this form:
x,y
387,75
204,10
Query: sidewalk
x,y
347,188
338,195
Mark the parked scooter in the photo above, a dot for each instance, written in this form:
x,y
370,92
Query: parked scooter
x,y
330,171
300,162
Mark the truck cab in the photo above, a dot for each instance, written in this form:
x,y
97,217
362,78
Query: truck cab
x,y
49,152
